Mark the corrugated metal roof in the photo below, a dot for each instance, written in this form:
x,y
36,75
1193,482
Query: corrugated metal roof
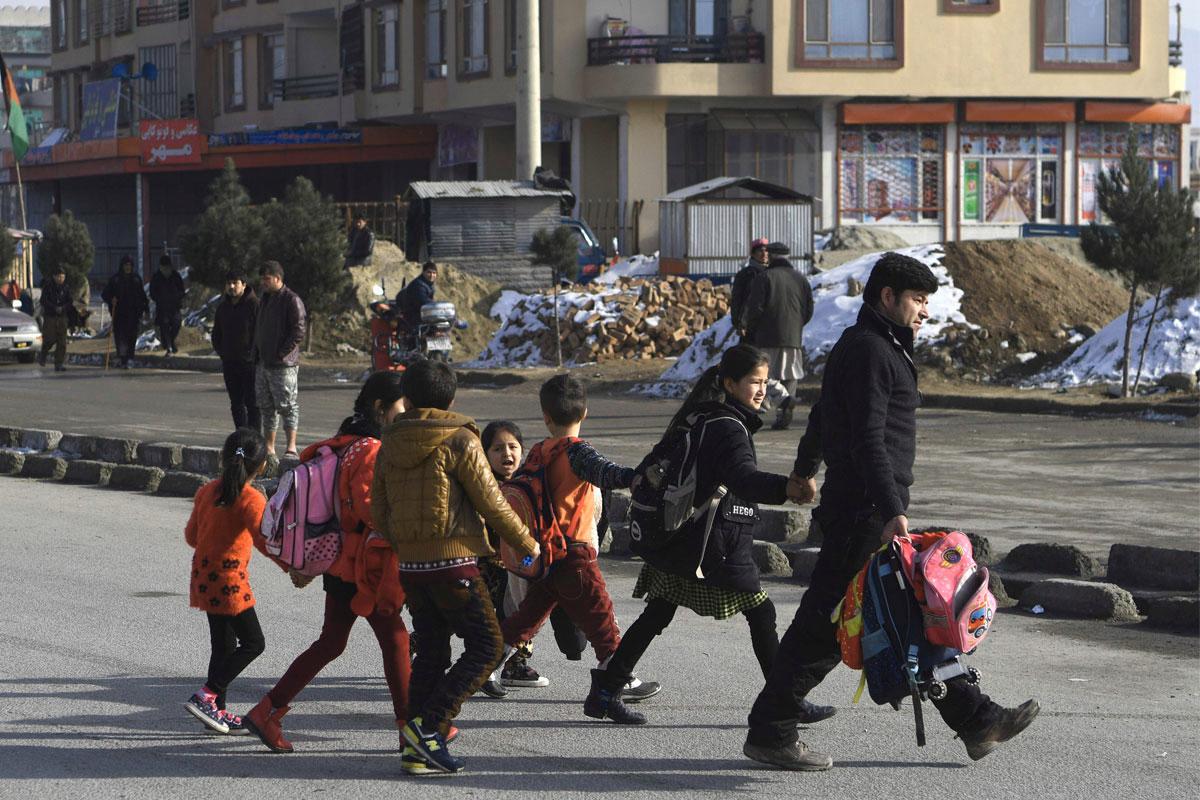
x,y
769,190
427,190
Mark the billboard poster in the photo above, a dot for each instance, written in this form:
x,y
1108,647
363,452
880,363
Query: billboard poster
x,y
170,141
101,103
1087,189
457,144
1049,190
1165,173
971,190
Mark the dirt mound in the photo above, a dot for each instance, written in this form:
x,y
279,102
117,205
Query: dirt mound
x,y
864,238
472,297
1027,299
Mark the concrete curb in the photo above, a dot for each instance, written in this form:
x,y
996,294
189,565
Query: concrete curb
x,y
29,438
1174,613
44,467
1051,558
100,448
164,455
180,484
11,463
770,560
96,473
202,460
1154,567
1085,599
135,478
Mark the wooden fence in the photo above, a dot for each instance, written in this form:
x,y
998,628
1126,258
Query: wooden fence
x,y
386,218
614,218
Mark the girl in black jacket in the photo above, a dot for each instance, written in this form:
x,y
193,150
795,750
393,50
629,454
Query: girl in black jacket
x,y
715,576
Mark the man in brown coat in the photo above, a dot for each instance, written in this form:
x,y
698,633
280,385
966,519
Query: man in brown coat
x,y
432,494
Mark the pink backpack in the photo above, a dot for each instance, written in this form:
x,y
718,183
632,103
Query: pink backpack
x,y
301,522
950,587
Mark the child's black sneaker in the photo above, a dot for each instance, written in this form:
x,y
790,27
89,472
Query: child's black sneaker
x,y
205,709
517,672
413,763
432,747
637,690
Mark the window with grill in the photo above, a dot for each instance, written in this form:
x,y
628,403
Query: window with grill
x,y
473,37
272,63
687,150
160,97
1089,33
387,46
435,39
851,32
890,173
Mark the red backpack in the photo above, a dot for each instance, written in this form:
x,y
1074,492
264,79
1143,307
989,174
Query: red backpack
x,y
534,500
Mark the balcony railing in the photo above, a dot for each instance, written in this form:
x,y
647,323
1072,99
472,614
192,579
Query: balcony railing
x,y
734,48
163,12
312,87
111,17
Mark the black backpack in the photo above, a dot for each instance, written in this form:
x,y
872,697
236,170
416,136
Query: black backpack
x,y
665,498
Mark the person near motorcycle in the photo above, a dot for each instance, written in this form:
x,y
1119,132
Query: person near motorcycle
x,y
419,292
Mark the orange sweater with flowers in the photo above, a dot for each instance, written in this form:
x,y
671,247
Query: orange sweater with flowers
x,y
223,537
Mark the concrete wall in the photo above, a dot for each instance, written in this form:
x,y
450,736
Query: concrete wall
x,y
599,178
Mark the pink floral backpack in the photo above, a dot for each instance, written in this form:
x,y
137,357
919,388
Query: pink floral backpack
x,y
950,587
301,521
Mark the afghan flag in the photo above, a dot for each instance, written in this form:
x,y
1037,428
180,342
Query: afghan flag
x,y
14,116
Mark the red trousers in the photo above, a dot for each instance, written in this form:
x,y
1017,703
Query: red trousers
x,y
576,585
335,632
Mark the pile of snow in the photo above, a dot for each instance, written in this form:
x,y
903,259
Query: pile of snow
x,y
504,306
1174,347
638,266
834,310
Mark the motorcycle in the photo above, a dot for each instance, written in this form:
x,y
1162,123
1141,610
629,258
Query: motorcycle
x,y
396,341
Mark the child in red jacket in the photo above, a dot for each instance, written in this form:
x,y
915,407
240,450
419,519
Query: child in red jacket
x,y
225,521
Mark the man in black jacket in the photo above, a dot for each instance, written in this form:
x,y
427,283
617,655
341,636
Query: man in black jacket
x,y
779,306
361,244
167,292
419,292
739,289
864,428
233,341
56,305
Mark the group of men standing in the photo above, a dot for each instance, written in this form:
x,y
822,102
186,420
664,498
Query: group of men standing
x,y
770,303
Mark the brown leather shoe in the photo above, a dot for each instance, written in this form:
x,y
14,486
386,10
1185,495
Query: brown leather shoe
x,y
264,722
1011,722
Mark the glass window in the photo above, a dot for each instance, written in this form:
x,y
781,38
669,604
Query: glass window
x,y
435,39
1010,172
1086,31
60,24
850,30
81,21
160,96
272,68
1101,146
387,46
687,150
890,173
473,45
235,76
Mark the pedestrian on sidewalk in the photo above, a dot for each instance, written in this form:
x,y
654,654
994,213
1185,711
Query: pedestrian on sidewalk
x,y
363,581
864,427
432,495
780,304
224,526
233,341
278,332
56,308
167,291
127,304
713,572
739,289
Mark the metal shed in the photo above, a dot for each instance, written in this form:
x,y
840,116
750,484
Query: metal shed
x,y
449,220
706,229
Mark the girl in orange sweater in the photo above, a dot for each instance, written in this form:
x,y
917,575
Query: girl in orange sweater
x,y
225,521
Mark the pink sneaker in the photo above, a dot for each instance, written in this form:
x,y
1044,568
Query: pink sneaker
x,y
203,707
236,728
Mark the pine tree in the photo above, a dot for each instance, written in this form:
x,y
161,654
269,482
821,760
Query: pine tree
x,y
1148,243
227,235
304,235
558,250
66,243
8,252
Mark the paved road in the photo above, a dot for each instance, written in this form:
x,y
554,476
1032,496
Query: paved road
x,y
98,651
1013,478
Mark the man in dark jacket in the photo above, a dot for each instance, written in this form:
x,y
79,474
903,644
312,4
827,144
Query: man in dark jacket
x,y
233,341
56,306
779,306
126,298
278,332
420,291
167,292
361,244
739,289
864,428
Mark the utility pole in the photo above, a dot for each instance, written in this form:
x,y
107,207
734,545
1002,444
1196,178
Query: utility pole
x,y
529,89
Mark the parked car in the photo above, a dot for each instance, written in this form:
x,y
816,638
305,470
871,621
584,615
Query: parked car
x,y
19,334
591,253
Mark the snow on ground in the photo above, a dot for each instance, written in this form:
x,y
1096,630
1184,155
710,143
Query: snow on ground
x,y
634,266
1174,347
504,306
833,311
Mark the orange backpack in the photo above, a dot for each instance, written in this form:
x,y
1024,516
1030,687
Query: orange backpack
x,y
848,618
539,506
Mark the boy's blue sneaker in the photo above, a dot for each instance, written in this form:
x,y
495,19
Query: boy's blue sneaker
x,y
413,763
432,747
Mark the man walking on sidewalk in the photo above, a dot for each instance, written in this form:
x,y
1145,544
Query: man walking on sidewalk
x,y
779,306
278,333
864,427
167,292
233,341
56,304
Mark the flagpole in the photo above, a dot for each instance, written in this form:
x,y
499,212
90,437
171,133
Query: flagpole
x,y
20,193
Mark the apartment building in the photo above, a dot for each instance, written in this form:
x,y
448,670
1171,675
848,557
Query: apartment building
x,y
25,43
936,119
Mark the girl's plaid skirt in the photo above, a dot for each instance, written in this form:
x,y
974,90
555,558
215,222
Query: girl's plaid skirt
x,y
703,598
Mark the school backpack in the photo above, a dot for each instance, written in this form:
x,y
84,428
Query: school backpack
x,y
883,629
301,521
531,496
665,497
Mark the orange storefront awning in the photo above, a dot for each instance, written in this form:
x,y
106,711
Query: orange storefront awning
x,y
1161,113
1002,111
896,113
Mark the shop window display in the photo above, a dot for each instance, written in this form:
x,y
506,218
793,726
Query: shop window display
x,y
1010,172
891,173
1101,146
